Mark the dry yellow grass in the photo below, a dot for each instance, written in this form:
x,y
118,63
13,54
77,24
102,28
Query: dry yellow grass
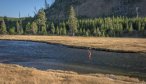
x,y
107,44
14,74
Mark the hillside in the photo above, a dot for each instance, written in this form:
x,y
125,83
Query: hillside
x,y
97,8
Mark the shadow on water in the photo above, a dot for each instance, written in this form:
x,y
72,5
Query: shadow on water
x,y
45,56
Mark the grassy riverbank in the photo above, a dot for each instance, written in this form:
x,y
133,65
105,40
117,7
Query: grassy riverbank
x,y
14,74
134,45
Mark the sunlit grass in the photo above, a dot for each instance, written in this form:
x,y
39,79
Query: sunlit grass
x,y
99,43
14,74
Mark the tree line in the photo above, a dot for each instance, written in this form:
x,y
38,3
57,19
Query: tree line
x,y
101,27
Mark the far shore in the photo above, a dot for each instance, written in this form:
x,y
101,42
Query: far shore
x,y
120,45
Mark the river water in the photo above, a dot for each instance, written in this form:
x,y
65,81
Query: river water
x,y
57,57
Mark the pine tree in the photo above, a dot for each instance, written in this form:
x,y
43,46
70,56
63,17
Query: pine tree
x,y
3,29
44,31
80,32
64,31
60,31
21,31
21,28
28,28
12,30
127,26
84,31
34,28
57,30
131,28
41,21
98,32
72,21
95,32
139,26
17,27
103,29
88,32
52,28
142,27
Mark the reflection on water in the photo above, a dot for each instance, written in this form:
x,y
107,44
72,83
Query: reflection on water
x,y
45,56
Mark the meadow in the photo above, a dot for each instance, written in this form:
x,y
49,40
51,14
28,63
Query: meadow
x,y
134,45
14,74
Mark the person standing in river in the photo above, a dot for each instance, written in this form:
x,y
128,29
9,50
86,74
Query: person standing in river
x,y
89,54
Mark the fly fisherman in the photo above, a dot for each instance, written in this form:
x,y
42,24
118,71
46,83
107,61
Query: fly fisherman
x,y
89,54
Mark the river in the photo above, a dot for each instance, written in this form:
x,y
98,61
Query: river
x,y
58,57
